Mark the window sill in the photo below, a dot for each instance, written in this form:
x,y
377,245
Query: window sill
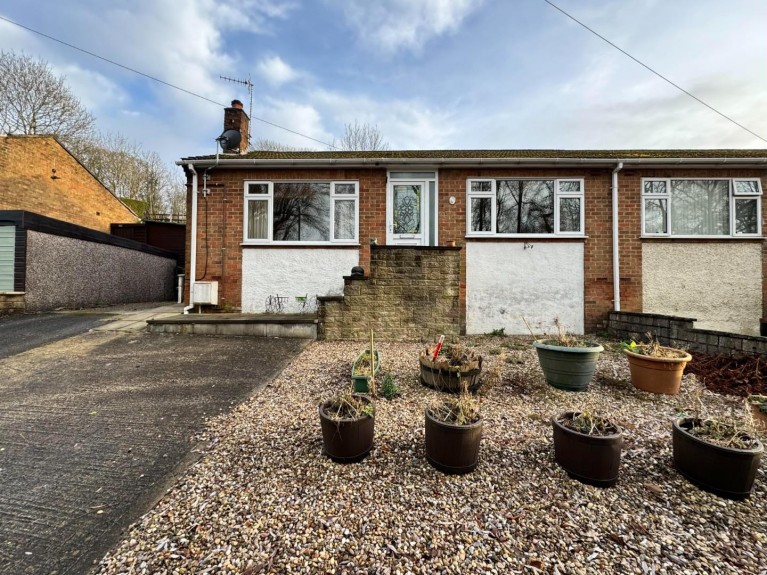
x,y
706,238
293,245
505,237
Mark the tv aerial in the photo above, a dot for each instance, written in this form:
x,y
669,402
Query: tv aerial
x,y
249,84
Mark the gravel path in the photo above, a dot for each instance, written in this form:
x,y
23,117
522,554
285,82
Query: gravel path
x,y
265,500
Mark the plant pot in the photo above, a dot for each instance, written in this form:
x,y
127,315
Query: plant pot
x,y
451,380
760,418
452,448
347,440
591,459
724,471
568,368
361,383
662,375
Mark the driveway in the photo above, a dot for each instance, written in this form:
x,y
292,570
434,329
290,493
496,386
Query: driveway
x,y
19,333
93,429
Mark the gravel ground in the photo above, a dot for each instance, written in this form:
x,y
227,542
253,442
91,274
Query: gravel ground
x,y
265,500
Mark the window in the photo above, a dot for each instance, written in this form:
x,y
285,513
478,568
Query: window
x,y
518,207
695,208
301,212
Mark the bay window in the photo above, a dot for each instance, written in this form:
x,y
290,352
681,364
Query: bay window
x,y
701,207
301,212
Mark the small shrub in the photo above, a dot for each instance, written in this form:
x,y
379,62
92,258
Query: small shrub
x,y
389,387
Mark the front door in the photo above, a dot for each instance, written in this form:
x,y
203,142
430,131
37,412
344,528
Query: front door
x,y
405,213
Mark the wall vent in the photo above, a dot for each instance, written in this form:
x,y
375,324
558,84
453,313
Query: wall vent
x,y
206,293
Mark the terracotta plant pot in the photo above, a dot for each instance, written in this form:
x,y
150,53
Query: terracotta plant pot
x,y
725,471
660,375
452,448
759,416
347,440
434,375
568,368
591,459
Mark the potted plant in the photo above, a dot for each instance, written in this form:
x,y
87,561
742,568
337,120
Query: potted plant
x,y
453,432
450,368
656,368
347,424
758,405
588,447
568,361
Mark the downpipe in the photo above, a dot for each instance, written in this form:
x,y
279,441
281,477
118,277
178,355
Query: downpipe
x,y
193,246
616,243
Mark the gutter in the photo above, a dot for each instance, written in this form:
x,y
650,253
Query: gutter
x,y
193,246
616,246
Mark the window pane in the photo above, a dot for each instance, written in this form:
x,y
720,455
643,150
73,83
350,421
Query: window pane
x,y
258,220
569,186
407,209
301,211
700,207
481,186
525,207
746,216
343,220
655,216
655,187
481,214
258,188
747,187
570,214
344,188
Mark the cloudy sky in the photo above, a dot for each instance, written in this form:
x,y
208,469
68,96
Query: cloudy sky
x,y
431,74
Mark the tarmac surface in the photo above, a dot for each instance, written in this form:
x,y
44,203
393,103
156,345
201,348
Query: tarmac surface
x,y
95,427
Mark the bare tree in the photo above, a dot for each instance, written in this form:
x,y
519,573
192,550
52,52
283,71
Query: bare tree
x,y
267,145
33,100
361,137
133,173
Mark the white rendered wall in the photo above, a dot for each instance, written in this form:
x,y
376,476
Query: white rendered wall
x,y
506,281
291,273
719,284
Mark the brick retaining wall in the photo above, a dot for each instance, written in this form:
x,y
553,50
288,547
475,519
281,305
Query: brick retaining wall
x,y
680,332
410,294
11,302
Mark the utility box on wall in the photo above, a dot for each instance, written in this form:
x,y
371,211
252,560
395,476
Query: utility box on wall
x,y
205,293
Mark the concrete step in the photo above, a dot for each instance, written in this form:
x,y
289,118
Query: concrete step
x,y
255,325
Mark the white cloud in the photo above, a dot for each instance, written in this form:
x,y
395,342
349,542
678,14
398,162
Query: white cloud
x,y
296,116
276,71
393,25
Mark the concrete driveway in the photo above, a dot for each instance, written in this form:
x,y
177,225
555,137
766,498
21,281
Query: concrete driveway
x,y
93,429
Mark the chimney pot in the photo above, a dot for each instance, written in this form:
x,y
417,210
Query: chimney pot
x,y
237,104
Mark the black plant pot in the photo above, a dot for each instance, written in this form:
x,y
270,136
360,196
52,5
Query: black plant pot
x,y
591,459
347,440
724,471
452,448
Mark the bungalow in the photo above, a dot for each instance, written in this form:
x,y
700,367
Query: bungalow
x,y
538,234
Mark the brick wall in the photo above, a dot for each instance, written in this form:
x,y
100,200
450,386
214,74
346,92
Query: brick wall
x,y
410,294
74,195
680,332
12,302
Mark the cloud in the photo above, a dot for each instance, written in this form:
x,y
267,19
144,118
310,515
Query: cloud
x,y
276,71
394,25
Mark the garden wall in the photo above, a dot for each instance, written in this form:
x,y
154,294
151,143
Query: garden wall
x,y
680,332
410,294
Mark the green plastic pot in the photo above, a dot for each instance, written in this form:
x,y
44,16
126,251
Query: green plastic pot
x,y
361,383
568,368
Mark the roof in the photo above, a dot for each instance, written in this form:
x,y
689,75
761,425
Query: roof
x,y
495,157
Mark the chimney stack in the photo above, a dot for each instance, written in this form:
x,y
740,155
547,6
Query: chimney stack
x,y
235,118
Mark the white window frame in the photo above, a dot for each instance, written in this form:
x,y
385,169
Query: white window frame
x,y
269,199
733,198
493,212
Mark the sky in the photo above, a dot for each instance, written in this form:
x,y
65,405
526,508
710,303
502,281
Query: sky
x,y
430,74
